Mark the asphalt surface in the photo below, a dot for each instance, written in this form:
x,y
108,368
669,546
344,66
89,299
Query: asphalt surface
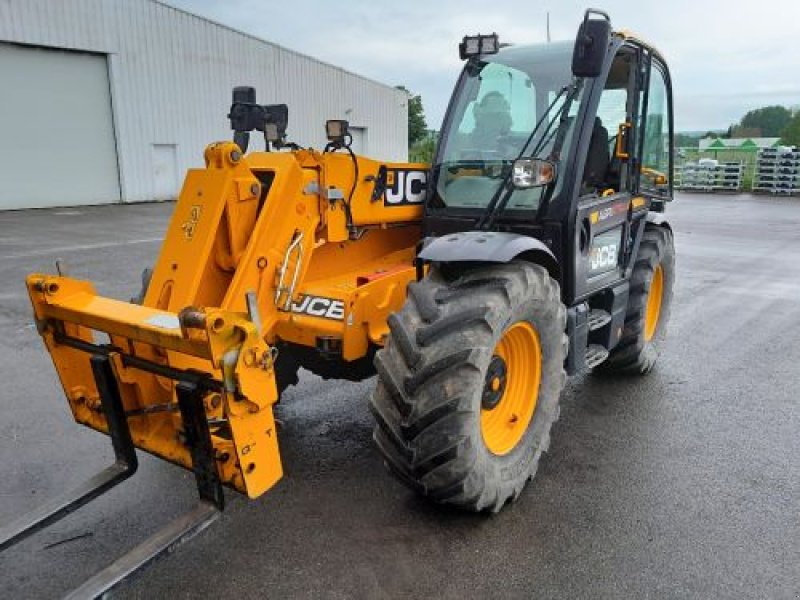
x,y
682,484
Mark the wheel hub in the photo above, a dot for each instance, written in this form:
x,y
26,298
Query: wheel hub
x,y
511,388
495,383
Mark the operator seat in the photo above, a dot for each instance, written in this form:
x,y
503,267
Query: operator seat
x,y
597,158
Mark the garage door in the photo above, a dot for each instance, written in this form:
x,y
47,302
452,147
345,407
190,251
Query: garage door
x,y
56,129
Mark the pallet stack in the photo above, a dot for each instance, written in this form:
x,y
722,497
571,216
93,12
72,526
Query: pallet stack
x,y
778,171
709,175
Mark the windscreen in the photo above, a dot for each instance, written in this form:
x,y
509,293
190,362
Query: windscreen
x,y
496,107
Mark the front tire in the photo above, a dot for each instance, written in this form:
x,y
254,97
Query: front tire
x,y
469,383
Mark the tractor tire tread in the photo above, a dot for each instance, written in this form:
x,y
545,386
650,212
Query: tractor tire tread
x,y
633,355
433,366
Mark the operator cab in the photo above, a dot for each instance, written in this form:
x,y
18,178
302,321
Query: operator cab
x,y
605,132
560,154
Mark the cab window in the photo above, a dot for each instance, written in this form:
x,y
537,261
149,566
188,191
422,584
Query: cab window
x,y
506,105
602,171
655,147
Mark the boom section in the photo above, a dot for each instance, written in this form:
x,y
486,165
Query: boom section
x,y
268,248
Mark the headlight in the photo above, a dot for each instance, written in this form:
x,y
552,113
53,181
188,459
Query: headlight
x,y
532,172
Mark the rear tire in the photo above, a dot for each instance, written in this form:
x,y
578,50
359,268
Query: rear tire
x,y
649,304
431,404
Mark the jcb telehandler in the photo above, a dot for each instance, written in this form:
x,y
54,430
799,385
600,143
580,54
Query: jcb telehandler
x,y
533,247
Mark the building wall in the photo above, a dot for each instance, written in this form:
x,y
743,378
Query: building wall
x,y
171,75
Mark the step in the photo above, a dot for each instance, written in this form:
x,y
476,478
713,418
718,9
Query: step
x,y
595,354
598,318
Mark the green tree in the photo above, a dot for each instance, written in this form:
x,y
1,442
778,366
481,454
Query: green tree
x,y
417,127
422,151
685,140
747,132
791,133
769,120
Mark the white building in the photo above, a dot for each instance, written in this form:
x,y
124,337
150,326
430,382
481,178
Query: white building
x,y
105,101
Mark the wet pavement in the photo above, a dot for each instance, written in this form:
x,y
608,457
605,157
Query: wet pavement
x,y
681,484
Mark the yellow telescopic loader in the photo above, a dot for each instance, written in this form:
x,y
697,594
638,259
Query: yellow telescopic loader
x,y
534,246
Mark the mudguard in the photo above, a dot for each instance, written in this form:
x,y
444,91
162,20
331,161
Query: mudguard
x,y
488,246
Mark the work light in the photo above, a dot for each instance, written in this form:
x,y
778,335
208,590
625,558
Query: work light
x,y
476,45
336,130
272,133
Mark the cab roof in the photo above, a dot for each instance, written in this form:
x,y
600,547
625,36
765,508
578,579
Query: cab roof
x,y
632,36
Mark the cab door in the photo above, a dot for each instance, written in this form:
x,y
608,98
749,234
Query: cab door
x,y
609,191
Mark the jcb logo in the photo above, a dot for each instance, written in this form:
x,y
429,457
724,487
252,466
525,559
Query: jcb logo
x,y
317,306
604,257
604,213
404,187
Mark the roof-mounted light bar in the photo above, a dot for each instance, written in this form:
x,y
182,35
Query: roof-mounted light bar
x,y
477,45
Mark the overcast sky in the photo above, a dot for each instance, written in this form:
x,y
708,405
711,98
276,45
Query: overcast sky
x,y
726,57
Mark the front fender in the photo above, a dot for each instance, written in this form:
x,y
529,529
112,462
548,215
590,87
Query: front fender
x,y
488,246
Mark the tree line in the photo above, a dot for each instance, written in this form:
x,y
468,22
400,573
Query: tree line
x,y
767,121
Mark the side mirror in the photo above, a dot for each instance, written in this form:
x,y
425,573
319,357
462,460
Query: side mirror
x,y
591,44
622,149
532,172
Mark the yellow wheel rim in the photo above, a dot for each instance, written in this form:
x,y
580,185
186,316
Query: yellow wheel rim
x,y
512,388
654,304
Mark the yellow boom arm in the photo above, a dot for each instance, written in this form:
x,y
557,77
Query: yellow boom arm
x,y
265,251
